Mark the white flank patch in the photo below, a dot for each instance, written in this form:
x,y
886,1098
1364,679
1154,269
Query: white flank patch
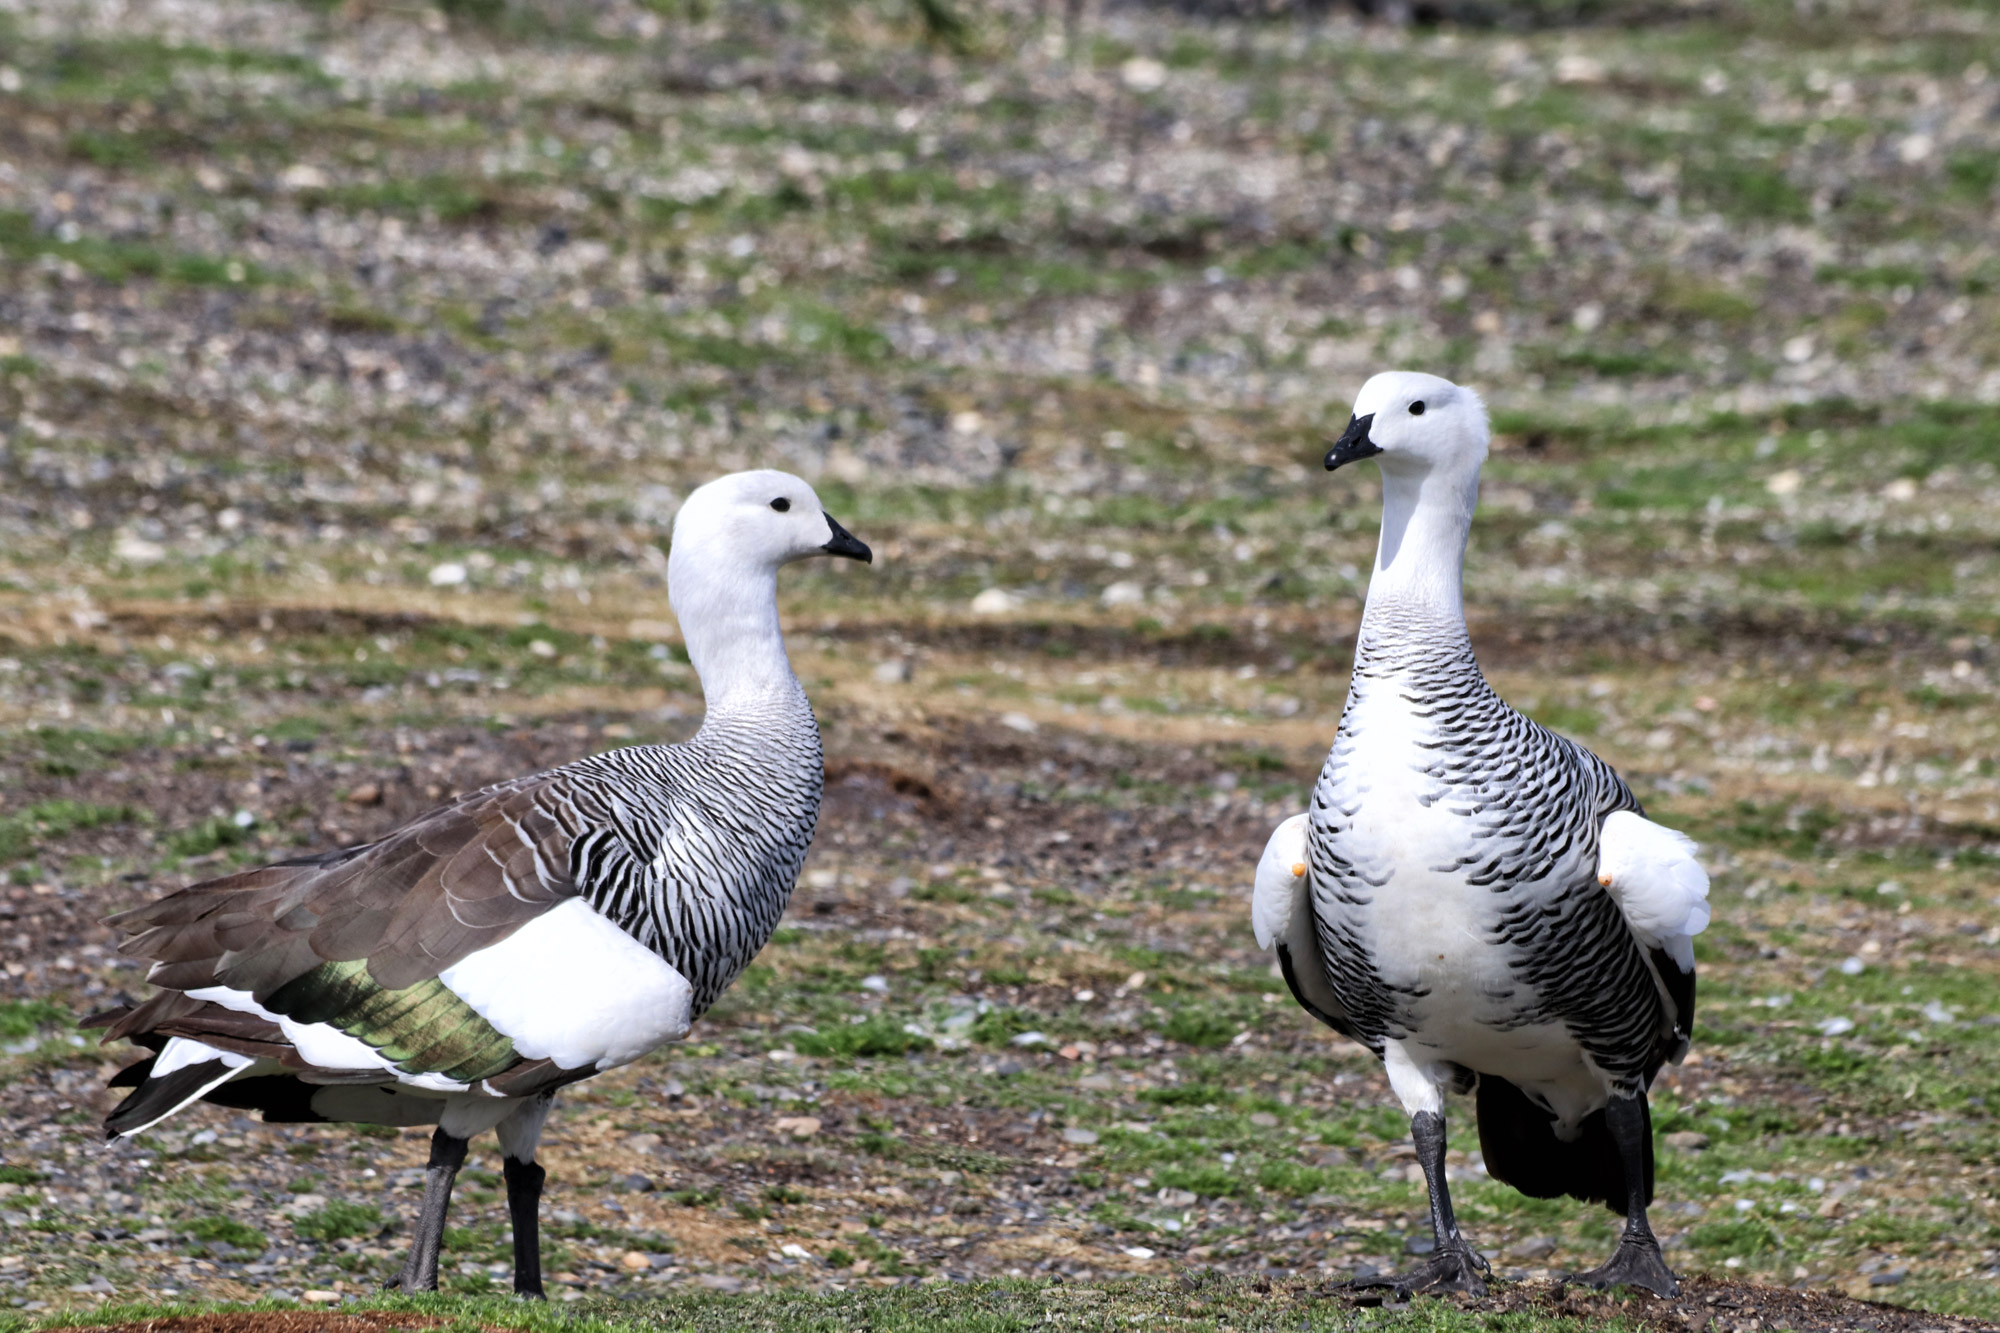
x,y
1418,1084
470,1114
573,988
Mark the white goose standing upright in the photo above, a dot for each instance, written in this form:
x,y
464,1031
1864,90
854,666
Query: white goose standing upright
x,y
522,937
1478,901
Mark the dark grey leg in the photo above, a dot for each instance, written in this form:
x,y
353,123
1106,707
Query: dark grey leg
x,y
524,1206
1454,1265
519,1133
1637,1262
420,1270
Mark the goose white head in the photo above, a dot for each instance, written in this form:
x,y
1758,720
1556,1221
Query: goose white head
x,y
1430,437
1416,423
730,538
761,518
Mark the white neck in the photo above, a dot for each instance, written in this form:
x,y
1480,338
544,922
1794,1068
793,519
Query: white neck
x,y
729,620
1420,561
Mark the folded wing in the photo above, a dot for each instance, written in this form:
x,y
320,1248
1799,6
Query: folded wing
x,y
1281,913
1652,873
331,964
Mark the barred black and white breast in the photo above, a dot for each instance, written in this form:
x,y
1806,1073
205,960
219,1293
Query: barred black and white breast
x,y
700,871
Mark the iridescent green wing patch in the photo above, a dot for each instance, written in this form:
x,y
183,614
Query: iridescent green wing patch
x,y
422,1029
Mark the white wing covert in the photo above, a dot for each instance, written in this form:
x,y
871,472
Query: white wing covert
x,y
1652,871
1281,912
1280,883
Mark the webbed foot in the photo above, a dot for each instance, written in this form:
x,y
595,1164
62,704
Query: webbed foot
x,y
1452,1268
1637,1262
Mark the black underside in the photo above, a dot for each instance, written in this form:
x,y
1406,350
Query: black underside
x,y
1518,1140
156,1097
284,1100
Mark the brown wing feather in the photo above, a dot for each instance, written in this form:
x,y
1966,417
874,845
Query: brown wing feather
x,y
454,881
476,890
160,1007
532,1077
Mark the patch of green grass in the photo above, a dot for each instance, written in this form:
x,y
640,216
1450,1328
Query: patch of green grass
x,y
339,1221
1974,175
124,261
877,1035
1001,1024
887,1260
943,891
1746,189
1738,1238
24,1018
1567,719
1884,276
1194,1024
1795,829
212,834
942,1156
1618,363
69,751
225,1231
829,329
449,199
44,821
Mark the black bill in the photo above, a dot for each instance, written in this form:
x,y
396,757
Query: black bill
x,y
1353,444
846,544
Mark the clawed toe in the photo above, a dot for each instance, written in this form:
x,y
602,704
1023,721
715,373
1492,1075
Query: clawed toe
x,y
1456,1269
1633,1264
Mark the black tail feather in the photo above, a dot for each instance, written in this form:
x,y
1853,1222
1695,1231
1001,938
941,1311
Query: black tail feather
x,y
132,1075
1518,1140
157,1097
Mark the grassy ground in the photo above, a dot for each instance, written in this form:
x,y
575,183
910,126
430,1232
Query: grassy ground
x,y
988,1307
353,360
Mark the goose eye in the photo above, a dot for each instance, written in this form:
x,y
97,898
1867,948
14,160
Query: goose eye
x,y
1417,408
781,504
